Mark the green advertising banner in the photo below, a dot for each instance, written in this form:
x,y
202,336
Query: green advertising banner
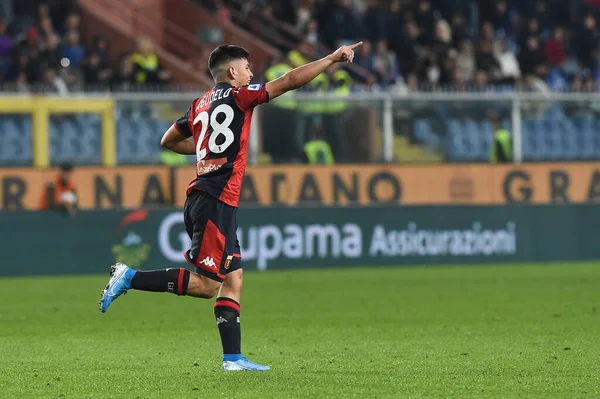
x,y
278,238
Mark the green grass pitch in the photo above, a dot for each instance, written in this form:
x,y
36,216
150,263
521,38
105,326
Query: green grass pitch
x,y
476,331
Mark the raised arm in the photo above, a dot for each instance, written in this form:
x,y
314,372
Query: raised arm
x,y
302,75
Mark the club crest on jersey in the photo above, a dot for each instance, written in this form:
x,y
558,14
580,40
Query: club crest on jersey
x,y
228,262
254,87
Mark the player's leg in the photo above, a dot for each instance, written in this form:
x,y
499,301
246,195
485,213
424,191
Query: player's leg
x,y
205,239
227,306
178,281
202,216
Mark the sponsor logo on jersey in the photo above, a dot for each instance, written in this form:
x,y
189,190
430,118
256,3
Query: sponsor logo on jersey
x,y
209,165
208,261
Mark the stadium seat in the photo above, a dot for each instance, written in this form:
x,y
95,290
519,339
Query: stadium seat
x,y
138,141
15,140
455,136
425,134
567,135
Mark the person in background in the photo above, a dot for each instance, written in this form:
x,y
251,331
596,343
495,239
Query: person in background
x,y
317,150
147,65
282,112
61,194
501,151
73,50
334,112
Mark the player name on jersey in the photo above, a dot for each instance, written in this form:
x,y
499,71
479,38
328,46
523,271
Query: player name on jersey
x,y
213,96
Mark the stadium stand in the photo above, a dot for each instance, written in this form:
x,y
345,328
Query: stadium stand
x,y
411,46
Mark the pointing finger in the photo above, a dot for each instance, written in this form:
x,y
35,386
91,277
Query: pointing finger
x,y
355,45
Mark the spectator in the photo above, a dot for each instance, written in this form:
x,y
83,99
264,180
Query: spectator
x,y
554,48
425,19
61,194
532,29
576,83
374,22
94,75
6,41
72,24
589,84
124,77
459,30
532,60
303,54
448,66
501,148
21,85
384,63
459,82
147,66
100,47
482,81
19,66
430,71
317,150
50,56
509,66
442,40
412,82
40,35
303,15
465,61
585,43
488,35
364,56
542,14
53,83
341,24
73,50
486,61
312,32
395,26
412,48
501,18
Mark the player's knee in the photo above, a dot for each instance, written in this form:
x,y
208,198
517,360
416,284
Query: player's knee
x,y
208,292
234,280
210,288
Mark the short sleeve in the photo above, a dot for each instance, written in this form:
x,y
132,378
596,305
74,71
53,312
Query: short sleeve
x,y
183,124
248,97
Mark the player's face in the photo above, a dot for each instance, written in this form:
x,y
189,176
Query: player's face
x,y
243,74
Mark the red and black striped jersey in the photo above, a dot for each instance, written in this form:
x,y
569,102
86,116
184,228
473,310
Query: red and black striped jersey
x,y
220,121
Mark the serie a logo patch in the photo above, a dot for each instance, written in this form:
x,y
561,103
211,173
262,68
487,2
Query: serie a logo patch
x,y
254,87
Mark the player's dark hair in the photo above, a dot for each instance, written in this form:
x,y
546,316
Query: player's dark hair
x,y
222,55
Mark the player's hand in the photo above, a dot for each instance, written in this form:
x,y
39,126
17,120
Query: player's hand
x,y
345,53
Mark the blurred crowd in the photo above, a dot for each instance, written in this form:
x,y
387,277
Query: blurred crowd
x,y
41,49
458,45
409,45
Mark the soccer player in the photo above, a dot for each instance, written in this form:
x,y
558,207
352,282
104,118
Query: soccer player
x,y
216,128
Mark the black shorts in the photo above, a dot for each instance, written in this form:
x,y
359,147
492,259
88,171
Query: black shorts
x,y
212,227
